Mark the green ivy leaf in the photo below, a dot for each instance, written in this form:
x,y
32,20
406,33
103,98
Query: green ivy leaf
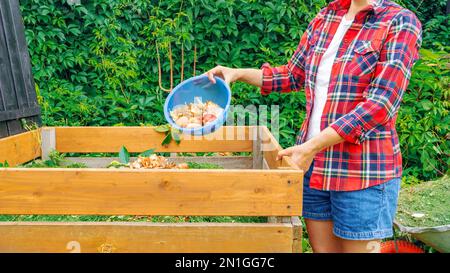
x,y
176,136
124,155
167,140
4,165
116,164
162,128
147,153
427,105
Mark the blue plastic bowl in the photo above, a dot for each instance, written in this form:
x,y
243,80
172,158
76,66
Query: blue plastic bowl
x,y
200,86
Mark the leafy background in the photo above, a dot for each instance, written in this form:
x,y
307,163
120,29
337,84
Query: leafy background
x,y
95,63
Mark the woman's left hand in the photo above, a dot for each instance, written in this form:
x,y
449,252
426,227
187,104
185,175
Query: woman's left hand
x,y
301,155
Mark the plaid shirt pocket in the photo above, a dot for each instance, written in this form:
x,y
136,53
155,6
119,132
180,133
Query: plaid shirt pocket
x,y
365,57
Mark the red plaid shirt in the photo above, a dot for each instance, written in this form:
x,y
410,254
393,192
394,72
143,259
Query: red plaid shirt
x,y
370,74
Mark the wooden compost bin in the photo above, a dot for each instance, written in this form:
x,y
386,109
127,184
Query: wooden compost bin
x,y
256,185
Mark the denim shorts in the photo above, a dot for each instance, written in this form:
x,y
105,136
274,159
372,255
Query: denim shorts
x,y
366,214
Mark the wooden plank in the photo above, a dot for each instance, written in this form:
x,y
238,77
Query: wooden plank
x,y
7,87
12,22
257,149
150,192
265,165
25,75
20,113
15,127
271,148
275,219
227,162
48,143
3,128
270,151
138,139
145,237
20,148
297,230
278,219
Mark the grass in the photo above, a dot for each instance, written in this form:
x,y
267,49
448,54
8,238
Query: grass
x,y
56,160
128,218
426,204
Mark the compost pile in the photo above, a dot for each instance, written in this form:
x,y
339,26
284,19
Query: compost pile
x,y
156,162
426,204
160,162
196,114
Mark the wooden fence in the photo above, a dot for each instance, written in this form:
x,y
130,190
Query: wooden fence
x,y
18,103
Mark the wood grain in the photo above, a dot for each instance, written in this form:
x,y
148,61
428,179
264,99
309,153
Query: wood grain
x,y
257,148
48,142
145,237
297,229
20,148
271,148
138,139
151,192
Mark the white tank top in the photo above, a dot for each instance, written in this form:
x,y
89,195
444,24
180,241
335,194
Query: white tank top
x,y
323,78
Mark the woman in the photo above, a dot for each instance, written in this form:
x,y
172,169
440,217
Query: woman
x,y
354,63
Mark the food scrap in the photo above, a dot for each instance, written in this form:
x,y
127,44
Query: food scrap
x,y
156,162
196,114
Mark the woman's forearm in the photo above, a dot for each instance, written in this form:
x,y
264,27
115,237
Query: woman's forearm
x,y
250,75
303,155
229,75
325,139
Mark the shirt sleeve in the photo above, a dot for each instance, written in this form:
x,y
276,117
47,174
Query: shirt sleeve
x,y
290,77
391,77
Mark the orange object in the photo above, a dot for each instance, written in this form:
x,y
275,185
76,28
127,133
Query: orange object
x,y
402,247
208,118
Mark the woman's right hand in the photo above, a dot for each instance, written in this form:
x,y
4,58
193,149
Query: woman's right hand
x,y
229,75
